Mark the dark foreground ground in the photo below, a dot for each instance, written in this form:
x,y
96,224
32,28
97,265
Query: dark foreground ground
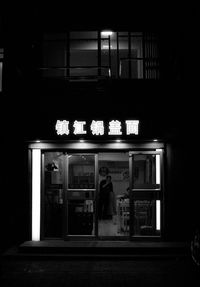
x,y
36,272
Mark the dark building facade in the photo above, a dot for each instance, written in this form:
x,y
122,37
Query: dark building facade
x,y
89,100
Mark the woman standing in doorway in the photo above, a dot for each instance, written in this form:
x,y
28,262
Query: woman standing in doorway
x,y
106,196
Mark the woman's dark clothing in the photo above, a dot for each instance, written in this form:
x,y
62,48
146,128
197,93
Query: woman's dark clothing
x,y
104,200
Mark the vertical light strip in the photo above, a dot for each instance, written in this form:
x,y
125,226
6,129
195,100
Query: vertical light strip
x,y
36,180
157,169
1,68
157,214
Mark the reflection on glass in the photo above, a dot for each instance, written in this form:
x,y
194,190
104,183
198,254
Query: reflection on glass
x,y
53,57
81,209
113,197
132,55
146,171
83,54
123,216
136,47
145,218
81,217
81,172
53,193
130,63
83,35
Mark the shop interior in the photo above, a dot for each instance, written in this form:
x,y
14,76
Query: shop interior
x,y
82,201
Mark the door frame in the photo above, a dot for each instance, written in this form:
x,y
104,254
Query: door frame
x,y
159,191
65,192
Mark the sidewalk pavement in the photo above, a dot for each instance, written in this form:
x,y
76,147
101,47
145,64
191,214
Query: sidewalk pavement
x,y
32,271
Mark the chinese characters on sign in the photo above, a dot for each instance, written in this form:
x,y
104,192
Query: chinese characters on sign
x,y
97,128
62,127
79,128
115,127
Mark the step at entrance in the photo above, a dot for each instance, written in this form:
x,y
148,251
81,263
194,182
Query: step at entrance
x,y
103,249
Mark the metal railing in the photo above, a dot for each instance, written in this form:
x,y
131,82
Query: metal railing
x,y
139,68
76,72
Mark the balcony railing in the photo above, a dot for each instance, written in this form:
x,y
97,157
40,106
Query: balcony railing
x,y
76,73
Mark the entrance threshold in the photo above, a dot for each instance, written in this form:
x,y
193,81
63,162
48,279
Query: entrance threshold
x,y
104,249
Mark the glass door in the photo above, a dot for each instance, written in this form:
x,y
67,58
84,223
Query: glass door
x,y
102,195
113,194
146,193
53,168
80,194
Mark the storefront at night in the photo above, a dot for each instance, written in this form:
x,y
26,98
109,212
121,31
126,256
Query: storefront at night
x,y
97,180
100,135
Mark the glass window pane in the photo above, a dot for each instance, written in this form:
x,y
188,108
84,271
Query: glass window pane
x,y
136,47
146,171
114,67
124,68
83,35
123,47
81,172
146,218
83,54
113,197
54,54
83,45
136,53
136,34
1,66
81,217
123,33
55,36
123,57
83,58
134,69
53,194
54,59
137,69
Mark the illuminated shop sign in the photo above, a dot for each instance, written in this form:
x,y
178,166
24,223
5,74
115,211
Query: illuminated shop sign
x,y
98,128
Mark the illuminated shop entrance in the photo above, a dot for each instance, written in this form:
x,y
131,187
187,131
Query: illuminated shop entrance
x,y
101,195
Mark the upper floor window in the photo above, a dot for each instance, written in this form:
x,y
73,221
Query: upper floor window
x,y
95,54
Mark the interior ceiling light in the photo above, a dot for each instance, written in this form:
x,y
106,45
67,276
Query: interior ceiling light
x,y
106,33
